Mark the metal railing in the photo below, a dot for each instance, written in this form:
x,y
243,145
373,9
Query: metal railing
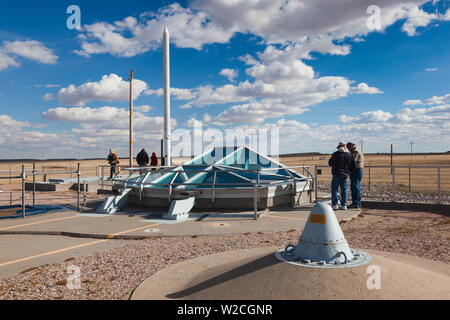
x,y
400,180
24,174
256,184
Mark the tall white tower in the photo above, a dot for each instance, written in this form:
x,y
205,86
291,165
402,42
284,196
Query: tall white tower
x,y
166,62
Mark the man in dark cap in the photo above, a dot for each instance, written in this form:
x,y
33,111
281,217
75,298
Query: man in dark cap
x,y
356,175
342,163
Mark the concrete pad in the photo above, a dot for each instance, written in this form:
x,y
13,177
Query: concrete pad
x,y
26,251
257,274
199,223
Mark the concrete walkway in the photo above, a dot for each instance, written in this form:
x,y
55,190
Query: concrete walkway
x,y
56,236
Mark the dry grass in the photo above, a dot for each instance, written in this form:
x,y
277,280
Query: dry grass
x,y
422,180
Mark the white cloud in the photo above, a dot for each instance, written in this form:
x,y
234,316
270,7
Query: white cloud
x,y
438,100
47,86
8,124
417,18
48,97
105,118
229,73
412,102
206,118
255,112
425,115
445,99
364,88
276,21
367,117
431,69
7,61
192,122
144,109
281,78
109,88
178,94
188,29
30,49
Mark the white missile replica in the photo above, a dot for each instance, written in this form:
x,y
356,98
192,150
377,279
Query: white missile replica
x,y
166,62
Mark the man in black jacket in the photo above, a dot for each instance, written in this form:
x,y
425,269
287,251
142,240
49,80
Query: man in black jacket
x,y
342,163
142,158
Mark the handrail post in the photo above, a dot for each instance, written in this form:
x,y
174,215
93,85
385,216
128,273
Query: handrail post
x,y
78,187
255,197
103,177
84,193
214,187
34,183
23,191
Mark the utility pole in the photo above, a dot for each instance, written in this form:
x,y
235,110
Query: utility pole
x,y
131,118
411,143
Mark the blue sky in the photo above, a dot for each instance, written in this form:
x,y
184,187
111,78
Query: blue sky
x,y
311,70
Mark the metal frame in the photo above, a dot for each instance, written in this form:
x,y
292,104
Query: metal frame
x,y
34,172
257,185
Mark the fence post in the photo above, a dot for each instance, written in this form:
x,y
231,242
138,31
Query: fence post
x,y
439,183
34,183
23,191
315,184
393,183
409,177
78,187
369,176
84,193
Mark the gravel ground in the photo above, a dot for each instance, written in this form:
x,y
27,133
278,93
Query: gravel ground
x,y
114,273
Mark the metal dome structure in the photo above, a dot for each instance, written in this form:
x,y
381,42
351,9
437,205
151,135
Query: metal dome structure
x,y
222,177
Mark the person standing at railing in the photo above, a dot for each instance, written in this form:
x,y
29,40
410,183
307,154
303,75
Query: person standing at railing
x,y
356,175
154,161
342,163
142,159
113,161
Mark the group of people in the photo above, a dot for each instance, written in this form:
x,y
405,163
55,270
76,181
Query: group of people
x,y
347,161
142,160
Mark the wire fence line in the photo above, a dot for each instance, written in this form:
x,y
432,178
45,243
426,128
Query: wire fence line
x,y
398,183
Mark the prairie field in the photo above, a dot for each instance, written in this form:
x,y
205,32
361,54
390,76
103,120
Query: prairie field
x,y
420,179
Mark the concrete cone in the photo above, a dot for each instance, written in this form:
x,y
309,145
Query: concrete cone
x,y
322,238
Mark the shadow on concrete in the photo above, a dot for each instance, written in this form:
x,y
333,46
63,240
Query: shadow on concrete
x,y
256,265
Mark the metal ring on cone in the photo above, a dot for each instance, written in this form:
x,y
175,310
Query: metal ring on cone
x,y
360,258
